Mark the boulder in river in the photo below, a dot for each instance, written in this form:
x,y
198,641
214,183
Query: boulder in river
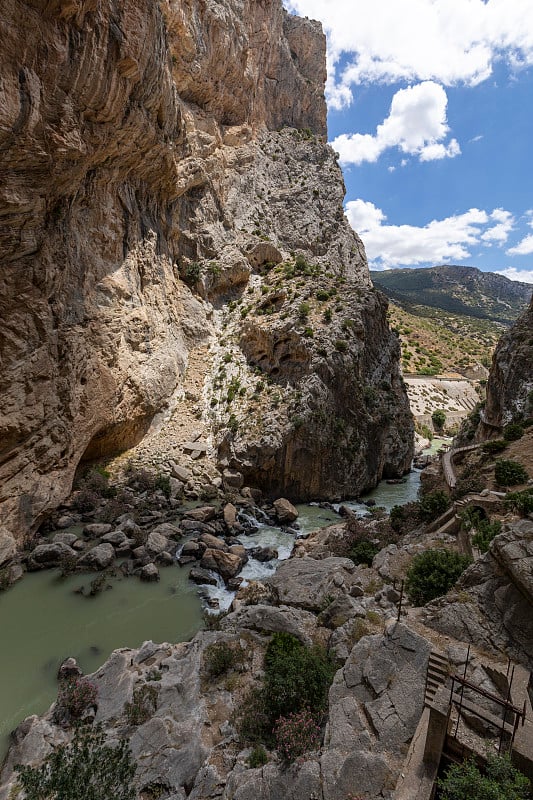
x,y
97,529
99,557
285,511
202,514
51,554
228,565
149,573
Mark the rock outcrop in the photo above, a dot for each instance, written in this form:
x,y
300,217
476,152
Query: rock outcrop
x,y
155,160
510,384
491,605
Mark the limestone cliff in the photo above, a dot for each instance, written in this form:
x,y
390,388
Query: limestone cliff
x,y
510,381
143,144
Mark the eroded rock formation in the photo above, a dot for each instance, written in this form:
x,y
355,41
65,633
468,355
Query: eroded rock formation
x,y
492,604
510,381
142,144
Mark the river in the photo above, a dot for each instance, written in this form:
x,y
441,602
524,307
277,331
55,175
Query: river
x,y
43,620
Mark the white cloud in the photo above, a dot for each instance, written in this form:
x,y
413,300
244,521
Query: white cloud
x,y
449,41
416,125
433,152
523,248
448,240
524,275
504,225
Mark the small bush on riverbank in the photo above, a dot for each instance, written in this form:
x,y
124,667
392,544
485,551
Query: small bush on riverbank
x,y
75,696
432,574
84,769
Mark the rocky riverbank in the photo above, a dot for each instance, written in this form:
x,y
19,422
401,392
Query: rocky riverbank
x,y
186,736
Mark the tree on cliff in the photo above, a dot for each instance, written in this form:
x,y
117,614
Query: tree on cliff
x,y
84,769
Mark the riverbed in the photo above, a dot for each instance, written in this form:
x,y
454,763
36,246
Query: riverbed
x,y
43,620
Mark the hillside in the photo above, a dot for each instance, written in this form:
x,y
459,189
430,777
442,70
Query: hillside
x,y
457,290
450,318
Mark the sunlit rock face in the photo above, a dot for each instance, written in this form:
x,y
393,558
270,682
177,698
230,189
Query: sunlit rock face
x,y
137,139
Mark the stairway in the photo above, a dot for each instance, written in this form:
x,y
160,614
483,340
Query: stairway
x,y
437,674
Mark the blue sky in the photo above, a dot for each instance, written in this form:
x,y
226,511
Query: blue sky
x,y
430,108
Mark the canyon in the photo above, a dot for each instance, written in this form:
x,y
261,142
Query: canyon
x,y
157,161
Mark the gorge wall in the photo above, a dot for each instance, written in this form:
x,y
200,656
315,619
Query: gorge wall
x,y
157,160
510,383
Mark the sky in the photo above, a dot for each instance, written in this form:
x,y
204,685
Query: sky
x,y
430,107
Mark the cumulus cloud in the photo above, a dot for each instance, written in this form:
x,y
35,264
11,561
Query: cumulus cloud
x,y
523,248
499,232
447,240
524,275
416,125
448,41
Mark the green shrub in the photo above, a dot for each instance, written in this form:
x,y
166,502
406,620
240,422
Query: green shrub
x,y
219,658
433,504
485,533
363,552
84,769
303,310
322,294
295,678
191,272
513,432
494,446
520,502
432,574
471,518
258,757
143,704
341,345
509,473
438,418
327,315
501,781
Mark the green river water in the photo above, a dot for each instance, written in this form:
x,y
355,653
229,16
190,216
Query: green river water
x,y
43,620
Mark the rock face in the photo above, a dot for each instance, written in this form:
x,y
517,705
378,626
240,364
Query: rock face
x,y
186,743
147,150
492,605
511,375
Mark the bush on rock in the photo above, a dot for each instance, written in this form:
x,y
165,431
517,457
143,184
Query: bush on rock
x,y
432,574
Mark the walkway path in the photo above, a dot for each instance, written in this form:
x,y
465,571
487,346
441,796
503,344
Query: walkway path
x,y
447,463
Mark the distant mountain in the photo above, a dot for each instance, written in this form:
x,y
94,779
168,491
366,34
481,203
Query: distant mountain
x,y
449,318
458,290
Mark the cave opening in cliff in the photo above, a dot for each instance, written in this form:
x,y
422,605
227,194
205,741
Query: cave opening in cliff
x,y
116,438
